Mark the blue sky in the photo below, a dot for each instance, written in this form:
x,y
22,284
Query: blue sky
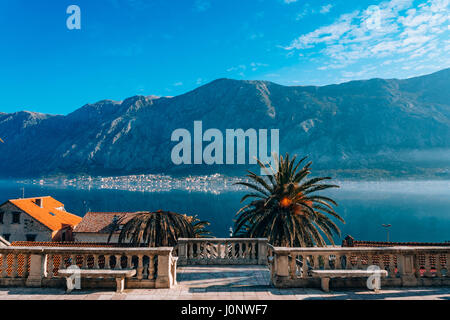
x,y
168,47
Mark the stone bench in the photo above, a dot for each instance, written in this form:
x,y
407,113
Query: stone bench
x,y
119,275
326,275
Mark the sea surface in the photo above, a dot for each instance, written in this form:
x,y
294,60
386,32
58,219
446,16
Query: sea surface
x,y
417,210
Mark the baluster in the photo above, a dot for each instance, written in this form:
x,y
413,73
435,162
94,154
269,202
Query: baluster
x,y
85,258
15,266
241,250
427,265
96,263
359,261
305,266
74,259
337,262
204,250
391,266
326,261
370,259
140,267
146,267
348,261
25,265
51,265
292,266
446,264
118,262
381,262
438,265
129,262
226,250
255,246
4,258
417,265
108,261
151,267
190,250
316,262
62,263
233,250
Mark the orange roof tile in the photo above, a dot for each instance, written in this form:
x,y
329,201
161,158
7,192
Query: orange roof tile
x,y
52,213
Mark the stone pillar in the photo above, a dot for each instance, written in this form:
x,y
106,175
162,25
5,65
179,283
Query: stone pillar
x,y
405,264
281,272
164,276
182,252
262,252
38,270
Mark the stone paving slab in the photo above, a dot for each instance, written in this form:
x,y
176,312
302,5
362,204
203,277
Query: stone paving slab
x,y
226,283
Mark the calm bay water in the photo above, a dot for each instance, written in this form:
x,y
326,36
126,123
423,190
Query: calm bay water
x,y
417,211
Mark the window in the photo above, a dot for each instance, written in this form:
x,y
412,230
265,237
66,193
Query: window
x,y
31,237
6,236
1,217
16,217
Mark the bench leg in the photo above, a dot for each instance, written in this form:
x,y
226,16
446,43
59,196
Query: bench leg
x,y
376,285
120,285
69,284
325,284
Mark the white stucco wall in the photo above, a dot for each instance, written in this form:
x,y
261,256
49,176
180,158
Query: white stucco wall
x,y
27,225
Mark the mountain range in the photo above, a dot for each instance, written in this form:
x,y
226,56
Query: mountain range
x,y
377,127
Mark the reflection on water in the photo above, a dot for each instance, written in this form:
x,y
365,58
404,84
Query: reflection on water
x,y
418,211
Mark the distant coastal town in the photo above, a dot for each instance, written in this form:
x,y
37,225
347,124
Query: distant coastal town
x,y
215,184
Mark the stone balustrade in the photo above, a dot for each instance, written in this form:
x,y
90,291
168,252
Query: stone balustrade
x,y
39,266
406,266
243,251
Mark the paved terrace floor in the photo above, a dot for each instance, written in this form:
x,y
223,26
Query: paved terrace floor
x,y
226,283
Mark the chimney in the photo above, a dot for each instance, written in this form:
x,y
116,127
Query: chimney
x,y
40,202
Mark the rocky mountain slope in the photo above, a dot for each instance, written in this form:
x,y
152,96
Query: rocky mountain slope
x,y
385,126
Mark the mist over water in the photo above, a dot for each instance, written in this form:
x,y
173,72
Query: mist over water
x,y
417,210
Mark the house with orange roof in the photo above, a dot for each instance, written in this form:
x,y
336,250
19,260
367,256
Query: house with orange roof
x,y
36,219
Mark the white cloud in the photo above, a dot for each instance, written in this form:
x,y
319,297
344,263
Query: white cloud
x,y
178,84
395,28
326,8
253,66
307,9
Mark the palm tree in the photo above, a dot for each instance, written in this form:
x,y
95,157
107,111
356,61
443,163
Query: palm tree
x,y
157,229
200,227
286,209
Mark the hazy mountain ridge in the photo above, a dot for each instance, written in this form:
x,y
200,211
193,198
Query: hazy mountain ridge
x,y
360,125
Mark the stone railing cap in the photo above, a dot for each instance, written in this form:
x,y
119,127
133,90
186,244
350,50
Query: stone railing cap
x,y
85,249
221,239
287,250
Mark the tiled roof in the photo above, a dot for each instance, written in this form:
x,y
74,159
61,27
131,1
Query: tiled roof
x,y
101,222
51,214
395,244
349,241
